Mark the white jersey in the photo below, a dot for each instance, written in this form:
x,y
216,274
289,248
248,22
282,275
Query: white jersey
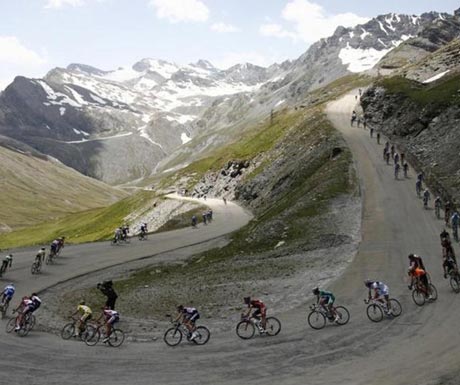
x,y
380,287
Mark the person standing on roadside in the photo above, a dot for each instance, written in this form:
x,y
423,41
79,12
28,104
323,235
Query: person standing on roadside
x,y
378,137
106,288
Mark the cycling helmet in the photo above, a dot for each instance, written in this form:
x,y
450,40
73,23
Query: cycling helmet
x,y
368,282
411,256
247,300
316,291
180,308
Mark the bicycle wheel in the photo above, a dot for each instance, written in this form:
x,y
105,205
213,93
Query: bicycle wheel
x,y
4,310
272,326
113,242
344,315
316,320
203,335
173,336
433,292
92,337
68,331
87,333
48,259
11,325
396,308
455,283
374,312
245,330
418,297
33,269
116,338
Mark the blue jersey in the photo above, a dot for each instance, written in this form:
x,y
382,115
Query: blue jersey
x,y
8,291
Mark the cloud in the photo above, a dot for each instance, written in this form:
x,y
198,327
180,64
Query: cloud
x,y
224,28
180,10
63,3
310,22
275,30
229,59
16,59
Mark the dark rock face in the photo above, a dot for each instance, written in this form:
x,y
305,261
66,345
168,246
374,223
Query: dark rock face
x,y
428,135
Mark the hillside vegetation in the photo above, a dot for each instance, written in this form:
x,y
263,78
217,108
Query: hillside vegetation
x,y
36,190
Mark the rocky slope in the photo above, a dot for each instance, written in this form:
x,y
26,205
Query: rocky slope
x,y
124,124
423,118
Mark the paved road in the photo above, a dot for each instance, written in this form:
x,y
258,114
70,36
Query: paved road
x,y
417,347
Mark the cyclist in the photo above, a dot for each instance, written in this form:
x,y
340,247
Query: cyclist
x,y
61,241
447,211
437,206
405,169
455,220
110,316
260,310
28,305
397,168
8,293
54,247
418,187
188,316
124,231
86,316
40,257
144,229
326,300
426,198
7,262
416,272
381,293
118,234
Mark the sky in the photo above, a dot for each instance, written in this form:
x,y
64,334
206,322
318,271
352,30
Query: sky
x,y
38,35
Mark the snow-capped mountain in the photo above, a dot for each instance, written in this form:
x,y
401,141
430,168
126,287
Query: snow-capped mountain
x,y
120,125
94,120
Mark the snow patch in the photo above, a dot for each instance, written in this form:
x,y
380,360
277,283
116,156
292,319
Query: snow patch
x,y
62,110
415,20
364,34
359,60
279,103
436,77
382,27
185,138
97,99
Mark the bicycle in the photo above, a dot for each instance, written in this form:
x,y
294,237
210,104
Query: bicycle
x,y
36,267
173,336
318,316
50,258
26,326
68,331
142,236
119,240
246,328
116,338
377,309
420,293
454,279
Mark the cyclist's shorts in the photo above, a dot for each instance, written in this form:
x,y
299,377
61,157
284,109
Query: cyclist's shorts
x,y
328,300
113,319
383,291
85,317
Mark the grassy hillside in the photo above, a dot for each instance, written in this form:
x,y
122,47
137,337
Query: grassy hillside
x,y
440,94
306,169
34,190
85,226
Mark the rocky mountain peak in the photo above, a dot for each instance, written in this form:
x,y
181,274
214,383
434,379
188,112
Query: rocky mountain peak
x,y
87,69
